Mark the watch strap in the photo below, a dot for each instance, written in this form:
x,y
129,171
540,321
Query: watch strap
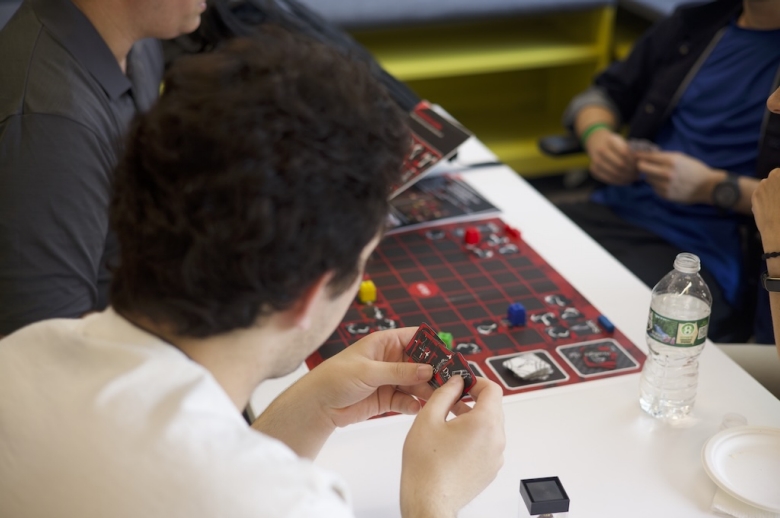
x,y
770,283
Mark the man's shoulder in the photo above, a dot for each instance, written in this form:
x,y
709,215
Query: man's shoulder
x,y
138,418
40,77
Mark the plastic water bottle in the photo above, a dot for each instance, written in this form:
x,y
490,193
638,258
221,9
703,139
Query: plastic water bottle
x,y
676,330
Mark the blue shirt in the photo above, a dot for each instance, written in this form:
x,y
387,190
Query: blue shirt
x,y
718,121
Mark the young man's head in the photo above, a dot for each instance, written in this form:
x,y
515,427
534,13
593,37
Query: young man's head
x,y
258,183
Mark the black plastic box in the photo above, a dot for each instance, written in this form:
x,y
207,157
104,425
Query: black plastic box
x,y
544,495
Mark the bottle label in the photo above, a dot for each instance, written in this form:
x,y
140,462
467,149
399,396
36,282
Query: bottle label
x,y
682,333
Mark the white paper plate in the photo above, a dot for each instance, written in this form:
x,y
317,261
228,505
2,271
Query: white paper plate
x,y
745,463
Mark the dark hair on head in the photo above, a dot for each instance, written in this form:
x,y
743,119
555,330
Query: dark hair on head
x,y
264,165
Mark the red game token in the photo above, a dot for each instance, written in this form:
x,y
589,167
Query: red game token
x,y
512,232
472,236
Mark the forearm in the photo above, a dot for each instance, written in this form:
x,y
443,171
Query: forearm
x,y
297,420
423,507
591,115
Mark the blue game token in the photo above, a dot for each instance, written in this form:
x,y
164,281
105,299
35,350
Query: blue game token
x,y
516,314
606,324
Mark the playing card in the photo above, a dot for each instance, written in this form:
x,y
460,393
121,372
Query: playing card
x,y
427,347
456,366
642,145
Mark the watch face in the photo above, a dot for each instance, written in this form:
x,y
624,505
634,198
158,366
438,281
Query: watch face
x,y
725,195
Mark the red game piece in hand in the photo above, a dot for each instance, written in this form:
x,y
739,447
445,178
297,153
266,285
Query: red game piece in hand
x,y
472,236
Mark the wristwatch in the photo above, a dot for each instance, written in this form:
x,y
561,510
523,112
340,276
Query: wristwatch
x,y
726,194
770,283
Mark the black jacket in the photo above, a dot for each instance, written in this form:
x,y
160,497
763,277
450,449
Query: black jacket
x,y
645,88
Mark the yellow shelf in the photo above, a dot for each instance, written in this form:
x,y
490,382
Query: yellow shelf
x,y
507,80
432,62
481,47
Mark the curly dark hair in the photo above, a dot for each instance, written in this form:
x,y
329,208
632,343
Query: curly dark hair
x,y
264,165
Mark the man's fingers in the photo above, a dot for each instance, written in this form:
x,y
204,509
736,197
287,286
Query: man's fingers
x,y
653,169
615,160
660,158
384,345
486,391
488,398
404,403
443,399
620,155
380,373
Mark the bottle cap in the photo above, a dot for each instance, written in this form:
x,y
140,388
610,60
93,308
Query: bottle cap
x,y
687,263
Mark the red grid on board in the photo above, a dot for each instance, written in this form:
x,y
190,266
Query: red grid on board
x,y
430,275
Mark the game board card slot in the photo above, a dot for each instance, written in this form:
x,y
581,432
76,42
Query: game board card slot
x,y
607,358
512,383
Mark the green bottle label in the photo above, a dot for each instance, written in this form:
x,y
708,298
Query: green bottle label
x,y
681,333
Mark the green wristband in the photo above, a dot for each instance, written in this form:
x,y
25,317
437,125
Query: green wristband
x,y
590,129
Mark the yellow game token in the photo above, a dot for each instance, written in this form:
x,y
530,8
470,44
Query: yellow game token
x,y
367,292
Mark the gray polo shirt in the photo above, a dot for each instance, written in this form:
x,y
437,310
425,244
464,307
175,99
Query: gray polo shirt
x,y
65,106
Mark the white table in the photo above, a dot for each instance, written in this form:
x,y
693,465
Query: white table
x,y
613,460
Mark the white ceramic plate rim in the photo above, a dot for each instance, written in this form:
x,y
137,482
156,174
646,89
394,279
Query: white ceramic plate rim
x,y
708,459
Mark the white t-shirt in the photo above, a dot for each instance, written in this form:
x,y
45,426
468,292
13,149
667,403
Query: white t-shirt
x,y
101,419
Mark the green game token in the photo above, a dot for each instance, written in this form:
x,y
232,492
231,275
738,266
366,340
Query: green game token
x,y
446,338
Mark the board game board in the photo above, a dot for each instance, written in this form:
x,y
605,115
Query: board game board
x,y
430,275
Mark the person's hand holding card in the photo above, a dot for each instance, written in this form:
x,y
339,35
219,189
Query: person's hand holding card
x,y
446,463
611,158
369,378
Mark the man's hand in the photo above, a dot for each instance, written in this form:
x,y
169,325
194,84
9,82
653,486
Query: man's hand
x,y
448,463
611,160
678,177
368,378
372,377
766,209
